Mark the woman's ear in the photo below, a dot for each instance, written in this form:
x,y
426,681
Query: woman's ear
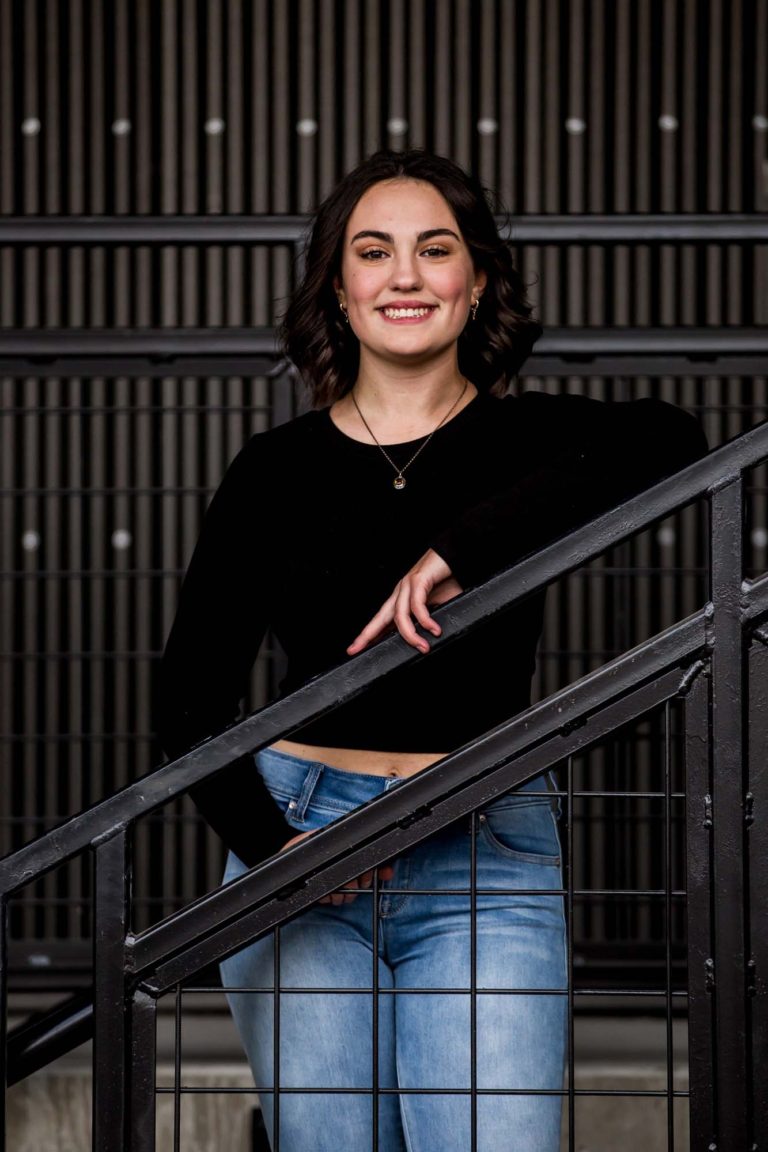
x,y
481,279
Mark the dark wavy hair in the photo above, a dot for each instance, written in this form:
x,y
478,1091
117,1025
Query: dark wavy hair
x,y
491,349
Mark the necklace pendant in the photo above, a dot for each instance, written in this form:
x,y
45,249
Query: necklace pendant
x,y
399,482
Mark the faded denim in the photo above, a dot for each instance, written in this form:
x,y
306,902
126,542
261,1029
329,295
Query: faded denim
x,y
424,941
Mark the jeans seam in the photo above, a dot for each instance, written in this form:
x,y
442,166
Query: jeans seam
x,y
549,861
325,816
397,903
402,1100
315,806
521,801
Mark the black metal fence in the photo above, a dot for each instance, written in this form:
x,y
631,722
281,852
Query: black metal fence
x,y
704,678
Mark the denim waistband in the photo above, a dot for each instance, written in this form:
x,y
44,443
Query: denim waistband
x,y
299,779
286,775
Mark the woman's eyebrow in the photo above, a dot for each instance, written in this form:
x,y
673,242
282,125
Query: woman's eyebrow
x,y
388,239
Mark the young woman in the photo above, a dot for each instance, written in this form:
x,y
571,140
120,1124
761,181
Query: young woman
x,y
414,477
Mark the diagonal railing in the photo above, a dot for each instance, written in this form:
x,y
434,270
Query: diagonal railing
x,y
700,658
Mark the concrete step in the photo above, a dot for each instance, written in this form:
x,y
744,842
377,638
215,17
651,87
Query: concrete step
x,y
51,1111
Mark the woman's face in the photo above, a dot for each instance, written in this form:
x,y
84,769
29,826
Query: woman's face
x,y
407,278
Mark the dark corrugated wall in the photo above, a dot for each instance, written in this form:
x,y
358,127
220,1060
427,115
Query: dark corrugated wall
x,y
253,107
139,107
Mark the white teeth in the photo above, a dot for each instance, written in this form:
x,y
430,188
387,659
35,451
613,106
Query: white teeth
x,y
398,313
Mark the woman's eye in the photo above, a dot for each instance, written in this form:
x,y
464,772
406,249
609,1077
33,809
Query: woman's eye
x,y
435,250
373,253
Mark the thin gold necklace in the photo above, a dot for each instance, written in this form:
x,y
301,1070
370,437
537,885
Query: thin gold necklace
x,y
399,480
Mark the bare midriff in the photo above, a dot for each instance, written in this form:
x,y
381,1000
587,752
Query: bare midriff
x,y
361,759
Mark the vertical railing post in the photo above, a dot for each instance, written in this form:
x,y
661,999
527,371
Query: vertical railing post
x,y
698,835
142,1095
757,825
3,1016
111,898
728,828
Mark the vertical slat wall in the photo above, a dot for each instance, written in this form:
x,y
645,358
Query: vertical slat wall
x,y
254,106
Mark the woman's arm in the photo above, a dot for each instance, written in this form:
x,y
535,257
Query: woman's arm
x,y
428,583
594,455
219,625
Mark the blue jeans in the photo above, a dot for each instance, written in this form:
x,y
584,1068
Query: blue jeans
x,y
424,1039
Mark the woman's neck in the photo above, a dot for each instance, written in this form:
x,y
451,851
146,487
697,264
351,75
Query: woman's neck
x,y
399,411
405,403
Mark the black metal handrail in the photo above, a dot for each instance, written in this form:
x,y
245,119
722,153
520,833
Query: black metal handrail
x,y
662,668
47,1036
266,894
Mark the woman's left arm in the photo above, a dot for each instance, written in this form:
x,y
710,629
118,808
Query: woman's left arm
x,y
594,455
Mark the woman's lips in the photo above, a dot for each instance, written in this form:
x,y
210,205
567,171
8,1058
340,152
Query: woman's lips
x,y
407,315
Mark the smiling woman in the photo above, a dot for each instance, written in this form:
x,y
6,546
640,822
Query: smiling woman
x,y
490,350
407,297
409,326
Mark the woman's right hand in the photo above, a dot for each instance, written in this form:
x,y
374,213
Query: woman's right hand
x,y
386,872
427,584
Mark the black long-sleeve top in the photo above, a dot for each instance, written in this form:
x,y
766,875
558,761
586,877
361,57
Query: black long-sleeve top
x,y
306,535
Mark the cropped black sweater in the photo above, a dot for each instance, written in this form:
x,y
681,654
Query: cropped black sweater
x,y
307,536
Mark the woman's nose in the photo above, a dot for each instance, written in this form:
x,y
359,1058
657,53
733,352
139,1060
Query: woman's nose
x,y
404,272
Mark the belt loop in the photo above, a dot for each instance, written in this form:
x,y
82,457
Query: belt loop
x,y
553,786
310,783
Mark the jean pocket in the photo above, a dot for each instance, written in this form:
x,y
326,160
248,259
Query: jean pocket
x,y
523,830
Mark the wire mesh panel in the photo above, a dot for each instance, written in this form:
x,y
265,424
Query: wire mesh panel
x,y
652,1051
